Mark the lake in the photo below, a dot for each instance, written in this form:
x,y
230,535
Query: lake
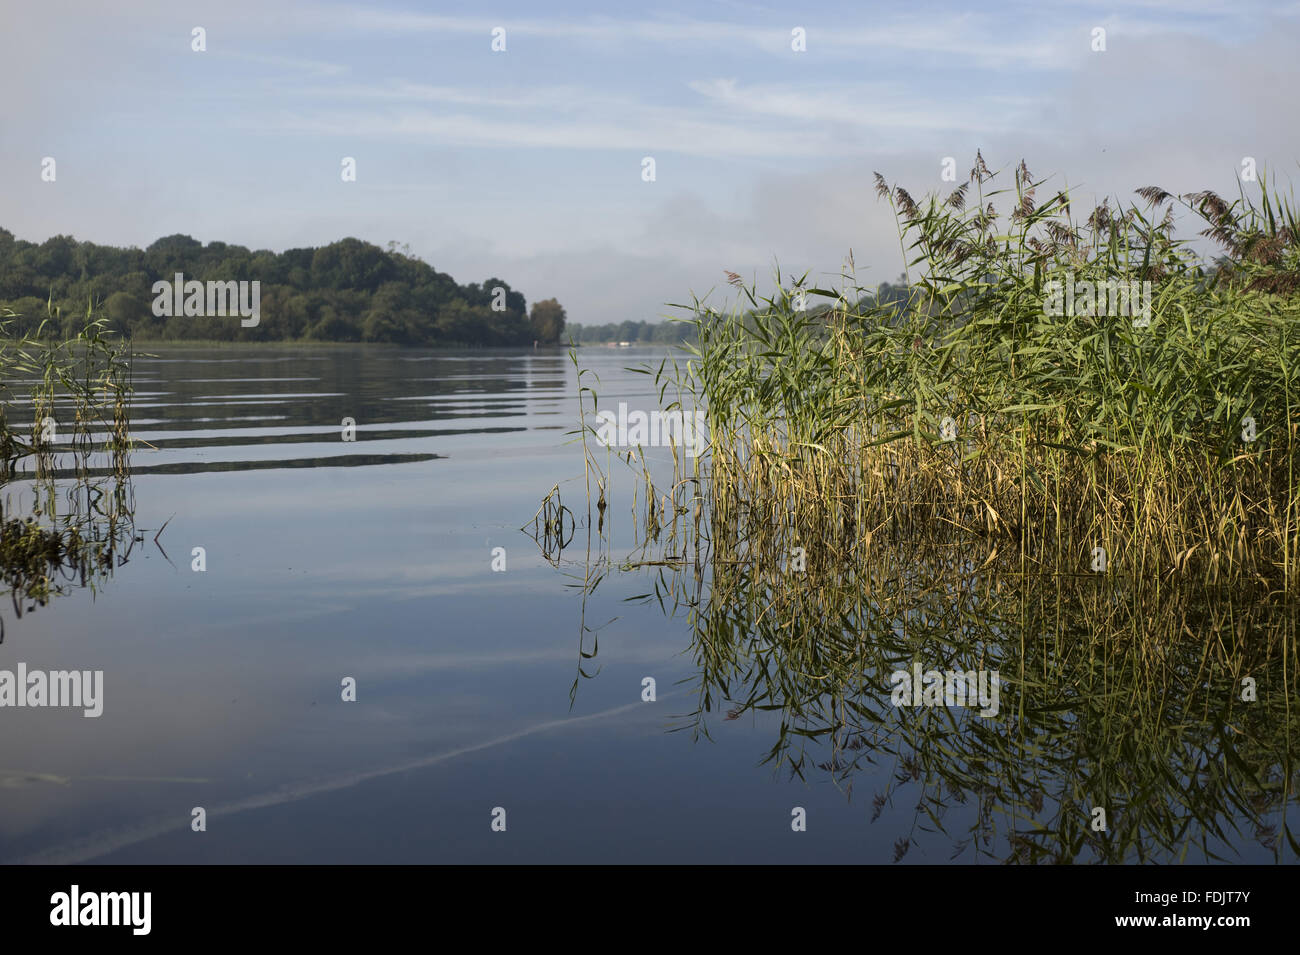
x,y
476,689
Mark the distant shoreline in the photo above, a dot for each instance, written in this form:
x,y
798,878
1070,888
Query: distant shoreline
x,y
138,345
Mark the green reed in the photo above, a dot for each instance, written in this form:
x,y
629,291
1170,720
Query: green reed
x,y
1164,442
66,512
1169,439
75,392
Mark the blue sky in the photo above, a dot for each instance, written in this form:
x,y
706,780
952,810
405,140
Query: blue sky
x,y
527,163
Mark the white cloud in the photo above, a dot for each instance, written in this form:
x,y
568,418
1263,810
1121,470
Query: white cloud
x,y
957,35
664,129
880,106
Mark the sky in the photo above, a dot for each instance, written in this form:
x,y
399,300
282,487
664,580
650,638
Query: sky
x,y
527,163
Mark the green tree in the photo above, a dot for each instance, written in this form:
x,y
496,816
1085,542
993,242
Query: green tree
x,y
125,312
346,291
333,327
547,321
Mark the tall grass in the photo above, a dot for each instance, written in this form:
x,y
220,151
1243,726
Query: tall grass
x,y
1067,433
66,507
76,389
972,543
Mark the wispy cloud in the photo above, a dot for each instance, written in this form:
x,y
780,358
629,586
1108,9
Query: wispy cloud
x,y
763,153
876,107
725,117
661,131
289,64
967,36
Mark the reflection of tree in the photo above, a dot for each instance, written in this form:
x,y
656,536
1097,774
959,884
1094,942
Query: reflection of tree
x,y
1124,695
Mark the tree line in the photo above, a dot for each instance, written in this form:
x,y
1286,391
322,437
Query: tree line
x,y
679,332
347,291
643,333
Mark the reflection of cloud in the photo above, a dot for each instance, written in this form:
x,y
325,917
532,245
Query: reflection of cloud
x,y
408,664
17,779
103,843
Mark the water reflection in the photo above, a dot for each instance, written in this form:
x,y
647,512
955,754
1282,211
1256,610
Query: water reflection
x,y
57,537
381,572
1145,720
204,410
67,513
66,500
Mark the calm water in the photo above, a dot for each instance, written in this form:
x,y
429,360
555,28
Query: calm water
x,y
371,559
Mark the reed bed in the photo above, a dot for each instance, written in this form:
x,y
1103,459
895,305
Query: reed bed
x,y
1167,439
74,391
1102,506
66,500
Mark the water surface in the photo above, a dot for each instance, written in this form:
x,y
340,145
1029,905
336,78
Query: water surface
x,y
372,559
